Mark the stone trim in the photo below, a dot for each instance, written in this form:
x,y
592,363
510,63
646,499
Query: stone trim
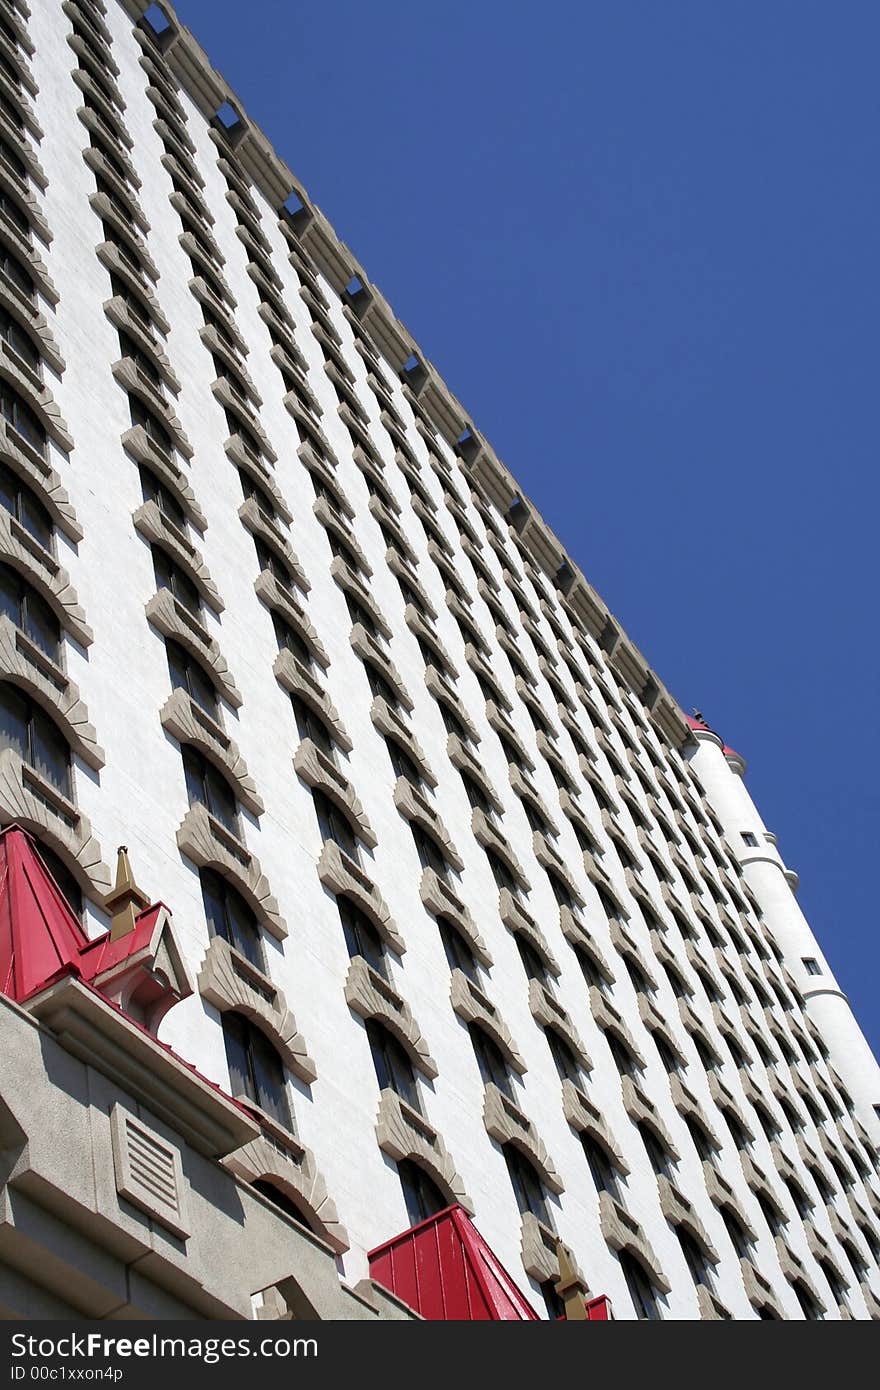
x,y
585,1118
402,1133
425,632
19,549
181,717
227,399
626,945
464,760
794,1271
502,725
118,311
295,678
680,1212
549,1013
622,1232
600,880
209,845
327,518
471,1004
142,448
711,1308
24,664
369,995
442,901
490,837
364,644
654,1021
759,1291
388,722
10,183
287,604
27,798
108,255
352,583
506,1124
721,1194
292,1168
171,619
549,858
525,789
538,1248
16,303
642,1110
33,469
517,920
339,872
228,981
39,398
575,932
607,1018
686,1103
312,764
415,807
126,374
156,528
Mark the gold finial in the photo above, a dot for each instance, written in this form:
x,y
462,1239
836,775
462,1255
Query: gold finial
x,y
570,1286
126,900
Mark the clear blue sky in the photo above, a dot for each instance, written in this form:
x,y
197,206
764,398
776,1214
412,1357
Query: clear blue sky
x,y
640,241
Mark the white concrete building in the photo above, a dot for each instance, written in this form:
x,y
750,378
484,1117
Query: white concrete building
x,y
469,910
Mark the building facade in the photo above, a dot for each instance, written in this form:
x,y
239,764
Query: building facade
x,y
452,902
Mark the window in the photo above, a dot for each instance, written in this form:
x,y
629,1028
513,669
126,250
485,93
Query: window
x,y
288,638
268,560
64,879
229,917
18,340
422,1195
528,1188
809,1307
774,1221
171,576
601,1166
811,965
255,1068
361,937
666,1054
13,270
658,1155
493,1064
150,424
403,764
563,1056
170,508
835,1283
695,1258
380,687
394,1069
624,1058
334,825
430,854
590,969
476,796
749,839
282,1201
311,725
452,723
30,612
502,874
27,509
207,787
11,209
27,729
701,1141
641,1289
533,965
458,951
189,675
738,1238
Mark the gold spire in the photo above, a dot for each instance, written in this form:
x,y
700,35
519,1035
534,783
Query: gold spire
x,y
570,1286
126,900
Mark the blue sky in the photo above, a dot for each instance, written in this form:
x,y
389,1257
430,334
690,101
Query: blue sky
x,y
640,242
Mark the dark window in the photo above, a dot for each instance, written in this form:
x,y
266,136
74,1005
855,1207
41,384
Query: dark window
x,y
12,268
658,1155
150,424
624,1059
561,891
171,576
533,965
255,1068
835,1283
18,340
602,1169
476,796
13,211
359,614
361,937
394,1068
154,491
422,1195
206,786
590,968
809,1306
334,825
311,725
64,879
641,1289
430,854
403,764
563,1056
491,1060
27,509
452,723
695,1258
502,873
738,1133
229,916
811,965
189,675
288,637
738,1238
381,687
528,1188
771,1215
458,951
29,611
281,1200
26,728
667,1056
703,1145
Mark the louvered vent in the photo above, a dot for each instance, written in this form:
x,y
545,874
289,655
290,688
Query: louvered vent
x,y
148,1171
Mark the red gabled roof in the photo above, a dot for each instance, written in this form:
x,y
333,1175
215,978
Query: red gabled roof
x,y
40,938
444,1269
102,953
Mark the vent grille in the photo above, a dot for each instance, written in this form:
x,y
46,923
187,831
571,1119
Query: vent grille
x,y
148,1171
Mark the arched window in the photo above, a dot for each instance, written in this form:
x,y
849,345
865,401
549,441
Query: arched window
x,y
189,675
422,1195
29,611
21,343
288,637
229,916
26,727
430,854
10,266
361,937
11,209
282,1201
12,160
809,1307
154,491
601,1166
256,1071
567,1064
333,825
150,424
64,879
171,576
207,787
394,1068
494,1066
641,1287
533,965
458,951
528,1189
311,725
24,505
695,1259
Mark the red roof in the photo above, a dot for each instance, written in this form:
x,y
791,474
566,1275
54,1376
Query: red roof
x,y
40,938
444,1269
